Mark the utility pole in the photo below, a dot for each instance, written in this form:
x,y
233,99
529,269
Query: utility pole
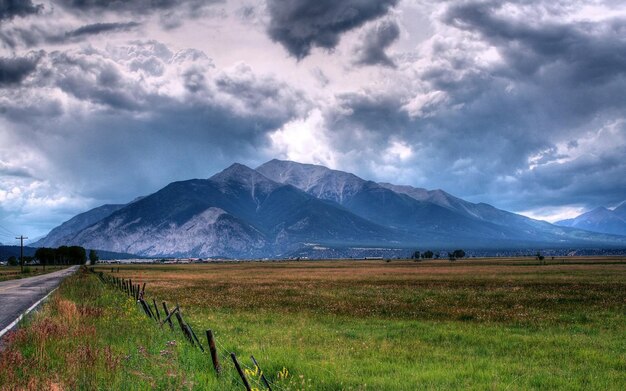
x,y
21,238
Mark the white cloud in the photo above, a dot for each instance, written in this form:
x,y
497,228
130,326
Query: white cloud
x,y
304,141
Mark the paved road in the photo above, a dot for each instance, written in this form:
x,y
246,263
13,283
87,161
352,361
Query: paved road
x,y
16,296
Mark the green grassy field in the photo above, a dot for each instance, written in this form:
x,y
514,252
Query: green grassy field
x,y
13,272
330,325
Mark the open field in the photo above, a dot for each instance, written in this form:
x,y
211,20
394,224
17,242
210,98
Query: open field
x,y
402,325
13,272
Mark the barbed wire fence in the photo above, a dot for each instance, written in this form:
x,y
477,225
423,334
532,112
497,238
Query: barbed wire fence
x,y
252,377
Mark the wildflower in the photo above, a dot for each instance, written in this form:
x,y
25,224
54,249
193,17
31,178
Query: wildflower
x,y
253,373
283,374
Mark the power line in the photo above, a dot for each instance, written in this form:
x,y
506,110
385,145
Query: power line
x,y
6,230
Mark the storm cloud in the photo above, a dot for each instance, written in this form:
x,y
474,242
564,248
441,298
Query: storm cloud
x,y
15,69
517,104
125,101
99,28
138,6
496,99
300,25
12,8
375,41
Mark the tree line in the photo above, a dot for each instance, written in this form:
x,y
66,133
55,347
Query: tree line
x,y
452,256
65,255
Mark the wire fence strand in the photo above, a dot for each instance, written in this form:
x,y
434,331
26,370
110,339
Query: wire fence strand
x,y
228,373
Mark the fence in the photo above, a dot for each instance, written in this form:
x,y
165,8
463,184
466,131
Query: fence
x,y
252,378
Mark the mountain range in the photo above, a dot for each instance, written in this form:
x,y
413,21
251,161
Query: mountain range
x,y
600,219
281,207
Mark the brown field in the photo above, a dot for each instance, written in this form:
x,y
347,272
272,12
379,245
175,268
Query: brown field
x,y
500,290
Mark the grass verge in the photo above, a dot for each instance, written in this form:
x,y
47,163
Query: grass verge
x,y
13,272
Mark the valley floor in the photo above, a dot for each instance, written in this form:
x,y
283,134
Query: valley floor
x,y
330,325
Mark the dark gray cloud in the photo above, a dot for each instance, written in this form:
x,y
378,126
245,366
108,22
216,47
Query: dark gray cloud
x,y
36,35
99,28
140,6
375,41
15,69
300,25
594,51
9,170
172,13
12,8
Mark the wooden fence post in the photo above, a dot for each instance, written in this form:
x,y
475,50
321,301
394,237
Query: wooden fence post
x,y
256,364
243,375
146,309
167,317
195,337
181,323
213,350
156,309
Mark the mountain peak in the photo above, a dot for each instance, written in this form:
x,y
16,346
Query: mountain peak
x,y
246,178
237,172
319,181
620,210
600,219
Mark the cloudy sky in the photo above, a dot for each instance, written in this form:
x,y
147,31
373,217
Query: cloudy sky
x,y
520,104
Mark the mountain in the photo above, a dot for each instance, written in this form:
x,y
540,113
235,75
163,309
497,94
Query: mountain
x,y
423,219
433,216
479,211
71,227
284,208
237,212
600,220
620,211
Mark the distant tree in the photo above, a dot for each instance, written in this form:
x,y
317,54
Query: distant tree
x,y
12,261
93,257
72,255
458,254
45,256
540,257
428,254
416,255
451,256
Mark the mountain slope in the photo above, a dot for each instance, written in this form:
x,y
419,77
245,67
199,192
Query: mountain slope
x,y
59,235
377,203
600,220
525,226
237,212
430,215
